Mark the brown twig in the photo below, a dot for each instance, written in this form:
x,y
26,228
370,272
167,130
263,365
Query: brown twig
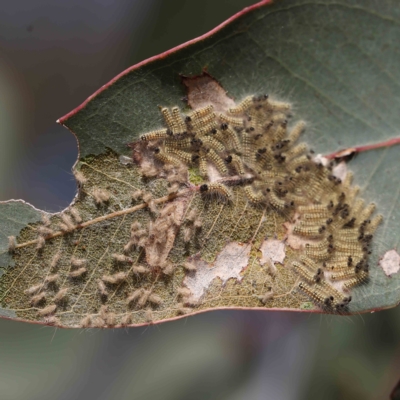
x,y
359,149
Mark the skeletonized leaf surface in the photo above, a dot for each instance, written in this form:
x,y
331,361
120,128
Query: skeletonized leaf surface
x,y
335,61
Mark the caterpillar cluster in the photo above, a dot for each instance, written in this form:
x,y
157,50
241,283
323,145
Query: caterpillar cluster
x,y
251,146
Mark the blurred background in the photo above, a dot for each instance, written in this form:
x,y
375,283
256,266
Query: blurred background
x,y
53,55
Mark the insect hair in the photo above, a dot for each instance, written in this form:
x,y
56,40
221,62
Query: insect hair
x,y
76,215
147,197
51,278
64,228
198,223
192,215
46,219
100,196
266,296
44,230
143,298
37,299
52,320
148,315
121,258
80,178
12,243
102,288
97,322
103,311
41,241
111,319
140,270
272,270
182,310
61,295
155,299
168,269
86,322
137,194
48,310
115,278
55,260
190,302
78,273
34,289
174,188
189,266
127,320
184,292
67,220
134,296
78,262
187,234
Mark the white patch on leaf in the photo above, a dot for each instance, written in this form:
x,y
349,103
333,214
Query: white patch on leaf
x,y
319,158
340,170
390,262
230,262
124,160
273,250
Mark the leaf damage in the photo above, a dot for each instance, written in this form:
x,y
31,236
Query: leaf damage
x,y
229,264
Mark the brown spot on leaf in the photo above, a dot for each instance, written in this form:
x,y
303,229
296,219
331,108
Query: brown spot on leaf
x,y
203,90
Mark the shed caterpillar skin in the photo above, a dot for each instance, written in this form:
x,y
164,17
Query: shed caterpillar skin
x,y
48,310
78,272
115,278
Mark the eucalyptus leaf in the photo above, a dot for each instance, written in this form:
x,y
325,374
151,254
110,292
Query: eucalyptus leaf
x,y
336,62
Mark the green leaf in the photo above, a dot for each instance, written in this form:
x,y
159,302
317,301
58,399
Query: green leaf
x,y
335,61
